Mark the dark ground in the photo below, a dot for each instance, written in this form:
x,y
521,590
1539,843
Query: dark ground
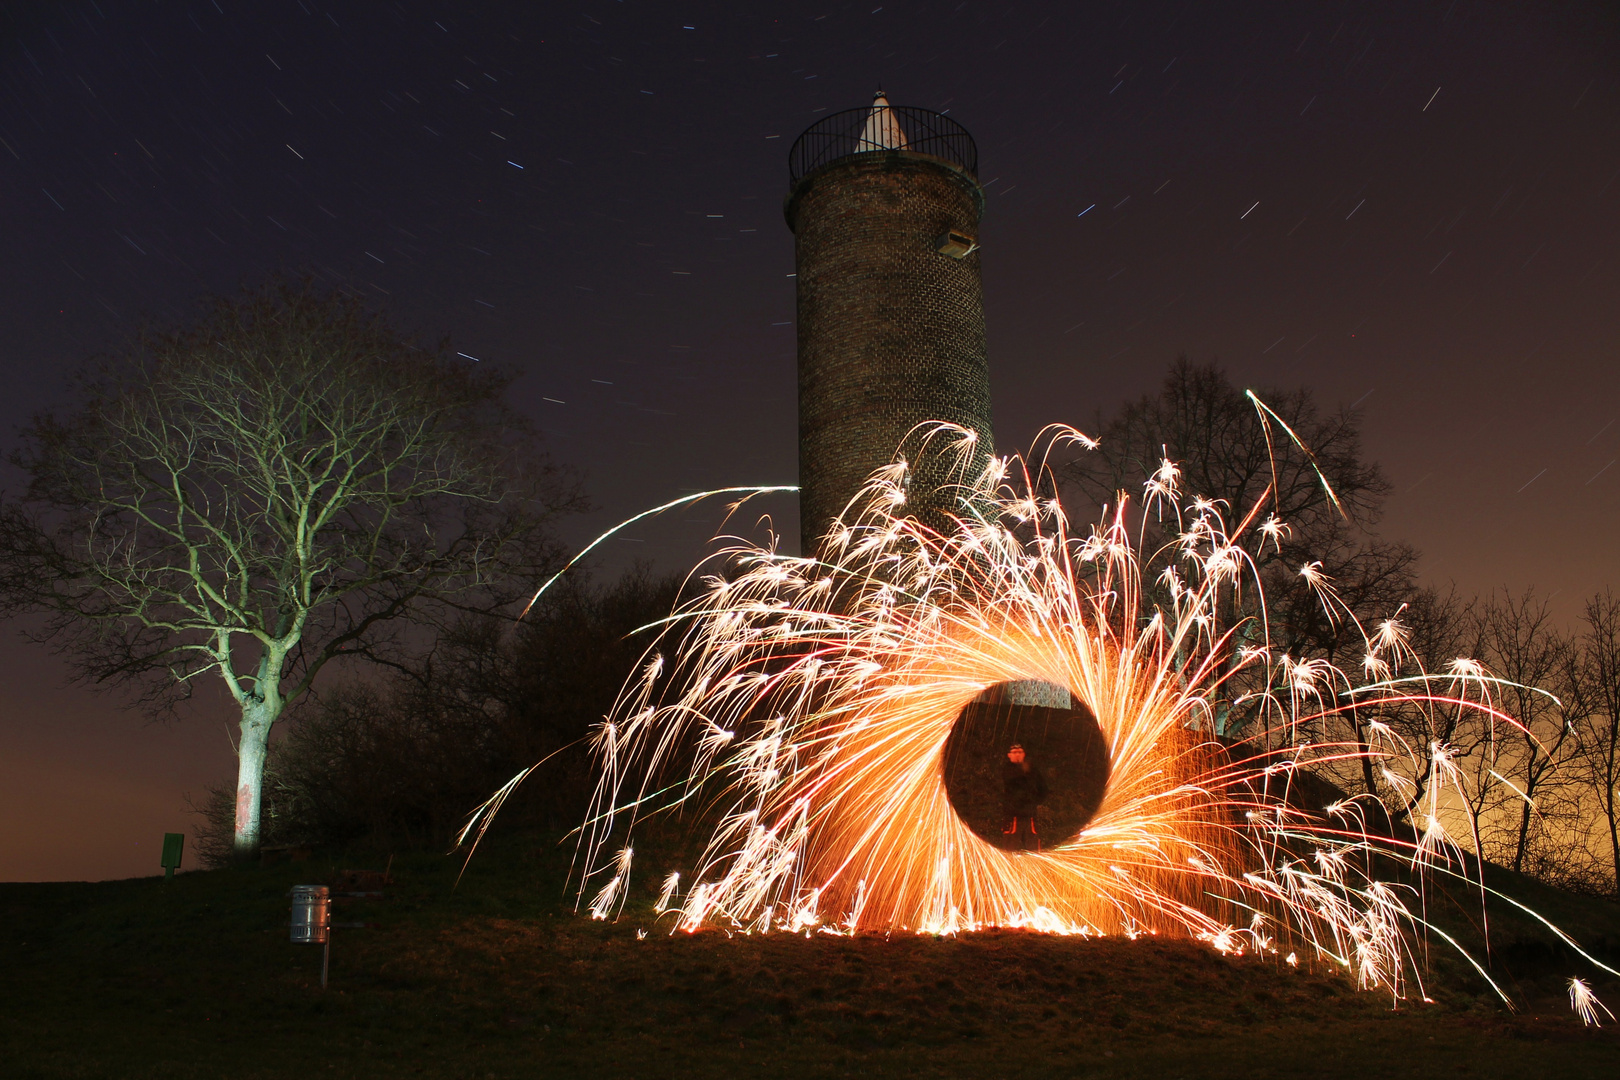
x,y
498,978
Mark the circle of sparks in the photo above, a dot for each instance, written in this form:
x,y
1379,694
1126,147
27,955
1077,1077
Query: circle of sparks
x,y
799,708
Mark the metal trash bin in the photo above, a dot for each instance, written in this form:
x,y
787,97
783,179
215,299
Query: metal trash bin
x,y
311,914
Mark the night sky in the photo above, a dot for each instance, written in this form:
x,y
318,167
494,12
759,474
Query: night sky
x,y
1415,207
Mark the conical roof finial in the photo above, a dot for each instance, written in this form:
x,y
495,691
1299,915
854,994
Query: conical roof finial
x,y
882,130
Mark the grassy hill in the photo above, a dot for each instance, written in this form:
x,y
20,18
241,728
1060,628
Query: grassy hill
x,y
496,977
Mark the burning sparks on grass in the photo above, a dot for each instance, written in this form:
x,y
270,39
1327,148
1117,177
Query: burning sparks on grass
x,y
1586,1004
667,894
800,706
614,893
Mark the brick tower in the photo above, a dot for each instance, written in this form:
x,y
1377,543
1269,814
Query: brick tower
x,y
885,207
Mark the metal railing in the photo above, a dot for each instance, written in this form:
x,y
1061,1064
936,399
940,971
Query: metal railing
x,y
857,131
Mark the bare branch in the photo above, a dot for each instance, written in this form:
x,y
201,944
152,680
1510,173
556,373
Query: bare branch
x,y
283,483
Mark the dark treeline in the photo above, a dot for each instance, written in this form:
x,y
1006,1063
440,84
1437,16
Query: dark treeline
x,y
401,759
1540,798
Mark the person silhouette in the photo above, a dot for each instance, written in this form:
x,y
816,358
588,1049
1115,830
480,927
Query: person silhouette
x,y
1022,792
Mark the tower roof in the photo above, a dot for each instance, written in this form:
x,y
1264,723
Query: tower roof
x,y
882,130
882,127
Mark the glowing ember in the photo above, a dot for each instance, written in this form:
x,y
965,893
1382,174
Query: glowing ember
x,y
1586,1004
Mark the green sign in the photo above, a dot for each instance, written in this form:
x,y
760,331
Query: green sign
x,y
173,844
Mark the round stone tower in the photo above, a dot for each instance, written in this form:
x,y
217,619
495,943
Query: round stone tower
x,y
885,207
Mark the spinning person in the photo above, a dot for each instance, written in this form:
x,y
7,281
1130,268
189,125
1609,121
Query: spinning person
x,y
1022,792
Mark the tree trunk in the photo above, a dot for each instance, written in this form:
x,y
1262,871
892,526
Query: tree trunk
x,y
1365,752
1614,846
257,718
1524,832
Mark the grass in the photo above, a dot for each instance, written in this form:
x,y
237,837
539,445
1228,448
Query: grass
x,y
497,977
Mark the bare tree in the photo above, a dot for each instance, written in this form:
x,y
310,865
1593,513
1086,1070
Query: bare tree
x,y
1435,629
1536,661
1599,728
286,483
1242,459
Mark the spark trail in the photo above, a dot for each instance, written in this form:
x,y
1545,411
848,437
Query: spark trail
x,y
800,707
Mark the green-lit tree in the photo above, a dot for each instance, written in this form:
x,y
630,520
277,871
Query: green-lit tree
x,y
287,482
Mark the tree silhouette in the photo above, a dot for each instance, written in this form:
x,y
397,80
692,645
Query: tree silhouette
x,y
285,483
1599,727
1241,460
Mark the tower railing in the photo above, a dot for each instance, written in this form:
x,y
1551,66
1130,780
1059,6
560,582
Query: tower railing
x,y
844,134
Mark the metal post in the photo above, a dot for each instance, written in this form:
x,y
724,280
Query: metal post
x,y
312,921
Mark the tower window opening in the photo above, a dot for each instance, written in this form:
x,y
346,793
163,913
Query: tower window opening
x,y
956,245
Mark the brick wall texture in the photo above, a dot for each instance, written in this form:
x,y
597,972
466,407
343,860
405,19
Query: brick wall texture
x,y
891,332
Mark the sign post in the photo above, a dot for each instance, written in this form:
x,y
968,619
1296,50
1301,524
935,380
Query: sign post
x,y
312,921
173,844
